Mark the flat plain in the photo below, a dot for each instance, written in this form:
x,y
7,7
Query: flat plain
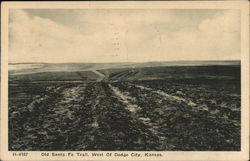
x,y
154,106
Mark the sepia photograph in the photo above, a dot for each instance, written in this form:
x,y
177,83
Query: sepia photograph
x,y
145,79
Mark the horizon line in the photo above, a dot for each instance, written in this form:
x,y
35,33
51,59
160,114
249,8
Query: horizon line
x,y
120,62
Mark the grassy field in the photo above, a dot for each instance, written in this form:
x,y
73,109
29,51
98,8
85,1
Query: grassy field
x,y
136,107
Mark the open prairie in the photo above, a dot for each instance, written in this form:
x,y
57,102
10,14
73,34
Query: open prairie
x,y
157,106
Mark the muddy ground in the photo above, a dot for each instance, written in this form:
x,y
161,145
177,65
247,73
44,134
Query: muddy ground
x,y
139,115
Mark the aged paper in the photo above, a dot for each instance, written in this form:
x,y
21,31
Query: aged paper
x,y
125,80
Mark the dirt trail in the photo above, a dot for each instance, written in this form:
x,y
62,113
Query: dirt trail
x,y
102,76
176,98
125,99
41,98
69,95
95,123
133,108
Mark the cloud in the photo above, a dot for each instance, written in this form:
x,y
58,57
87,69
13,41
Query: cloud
x,y
217,38
98,36
35,38
118,36
228,21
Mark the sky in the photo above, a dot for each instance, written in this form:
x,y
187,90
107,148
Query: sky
x,y
123,35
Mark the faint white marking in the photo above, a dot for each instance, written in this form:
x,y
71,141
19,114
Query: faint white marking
x,y
190,103
125,99
98,73
102,76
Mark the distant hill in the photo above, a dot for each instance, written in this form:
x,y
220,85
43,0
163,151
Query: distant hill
x,y
28,68
126,71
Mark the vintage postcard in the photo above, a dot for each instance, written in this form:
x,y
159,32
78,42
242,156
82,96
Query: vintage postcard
x,y
127,80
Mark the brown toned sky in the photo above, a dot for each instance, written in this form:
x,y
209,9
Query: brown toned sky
x,y
135,35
